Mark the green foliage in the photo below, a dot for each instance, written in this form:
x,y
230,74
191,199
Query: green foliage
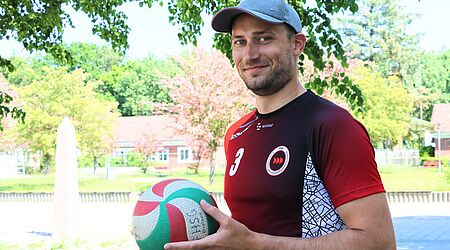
x,y
388,107
14,112
92,59
136,85
426,151
377,33
87,161
135,159
56,95
8,108
435,76
39,26
26,71
435,71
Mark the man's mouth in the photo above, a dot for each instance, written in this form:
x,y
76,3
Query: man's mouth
x,y
254,68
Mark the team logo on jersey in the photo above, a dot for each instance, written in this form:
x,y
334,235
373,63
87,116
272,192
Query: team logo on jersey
x,y
260,126
245,127
277,161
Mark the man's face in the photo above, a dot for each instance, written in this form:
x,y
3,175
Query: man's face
x,y
263,53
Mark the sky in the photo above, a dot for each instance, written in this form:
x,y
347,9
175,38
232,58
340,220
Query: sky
x,y
151,32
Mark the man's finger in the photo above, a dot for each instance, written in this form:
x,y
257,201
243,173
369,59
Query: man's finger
x,y
178,245
213,211
195,244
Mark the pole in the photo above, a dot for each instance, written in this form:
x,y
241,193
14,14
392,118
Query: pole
x,y
439,148
420,92
108,165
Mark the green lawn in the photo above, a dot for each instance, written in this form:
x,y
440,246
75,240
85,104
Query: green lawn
x,y
394,179
414,179
134,181
58,244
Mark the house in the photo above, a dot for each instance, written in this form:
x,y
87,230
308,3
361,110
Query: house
x,y
440,120
172,149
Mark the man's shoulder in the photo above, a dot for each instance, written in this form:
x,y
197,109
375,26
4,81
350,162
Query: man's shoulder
x,y
243,120
322,110
238,124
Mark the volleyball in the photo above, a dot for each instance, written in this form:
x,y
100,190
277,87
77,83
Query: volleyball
x,y
170,211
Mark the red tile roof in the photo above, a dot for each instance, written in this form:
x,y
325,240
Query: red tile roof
x,y
441,115
133,128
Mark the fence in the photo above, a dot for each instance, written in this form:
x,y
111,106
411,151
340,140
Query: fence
x,y
111,197
405,157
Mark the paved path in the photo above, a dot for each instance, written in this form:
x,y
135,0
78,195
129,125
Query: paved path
x,y
417,225
421,225
423,232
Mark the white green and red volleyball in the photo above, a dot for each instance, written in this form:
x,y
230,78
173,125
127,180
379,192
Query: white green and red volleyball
x,y
170,211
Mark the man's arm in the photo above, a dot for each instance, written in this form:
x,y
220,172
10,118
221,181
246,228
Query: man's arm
x,y
368,220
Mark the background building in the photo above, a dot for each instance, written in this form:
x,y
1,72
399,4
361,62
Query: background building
x,y
440,121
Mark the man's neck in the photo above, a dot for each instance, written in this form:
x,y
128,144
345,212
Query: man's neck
x,y
268,104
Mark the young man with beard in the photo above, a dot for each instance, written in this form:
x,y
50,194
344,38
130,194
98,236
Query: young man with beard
x,y
301,172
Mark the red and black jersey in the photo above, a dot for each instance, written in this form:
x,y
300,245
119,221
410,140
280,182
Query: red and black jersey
x,y
288,170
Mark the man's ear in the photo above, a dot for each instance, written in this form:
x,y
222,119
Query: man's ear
x,y
299,43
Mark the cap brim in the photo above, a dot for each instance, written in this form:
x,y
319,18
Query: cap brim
x,y
221,22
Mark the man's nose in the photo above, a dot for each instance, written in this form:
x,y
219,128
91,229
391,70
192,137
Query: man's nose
x,y
251,52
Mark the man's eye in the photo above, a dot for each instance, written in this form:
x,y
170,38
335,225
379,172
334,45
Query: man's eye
x,y
263,38
238,42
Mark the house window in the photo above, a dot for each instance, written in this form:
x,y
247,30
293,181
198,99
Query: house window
x,y
184,154
161,156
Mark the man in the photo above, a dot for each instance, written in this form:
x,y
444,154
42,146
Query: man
x,y
300,170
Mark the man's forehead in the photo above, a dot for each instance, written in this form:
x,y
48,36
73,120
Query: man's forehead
x,y
249,24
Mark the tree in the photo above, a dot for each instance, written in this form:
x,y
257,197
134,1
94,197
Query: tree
x,y
7,94
377,33
207,97
336,75
148,145
136,85
93,59
27,70
6,98
59,94
388,107
435,71
40,26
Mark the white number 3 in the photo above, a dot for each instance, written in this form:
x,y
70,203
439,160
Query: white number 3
x,y
237,161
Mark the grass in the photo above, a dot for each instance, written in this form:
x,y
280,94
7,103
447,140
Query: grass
x,y
65,244
400,178
132,181
394,178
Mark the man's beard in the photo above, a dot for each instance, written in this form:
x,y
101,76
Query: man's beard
x,y
274,82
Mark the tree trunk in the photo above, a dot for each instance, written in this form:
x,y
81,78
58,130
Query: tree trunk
x,y
45,167
95,163
211,166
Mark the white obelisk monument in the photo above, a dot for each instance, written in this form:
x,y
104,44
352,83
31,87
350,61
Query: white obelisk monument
x,y
66,196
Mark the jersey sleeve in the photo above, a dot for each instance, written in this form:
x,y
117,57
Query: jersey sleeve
x,y
345,157
234,127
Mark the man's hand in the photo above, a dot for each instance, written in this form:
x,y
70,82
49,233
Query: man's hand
x,y
231,234
369,226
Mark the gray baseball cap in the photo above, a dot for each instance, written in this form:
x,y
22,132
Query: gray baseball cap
x,y
271,11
